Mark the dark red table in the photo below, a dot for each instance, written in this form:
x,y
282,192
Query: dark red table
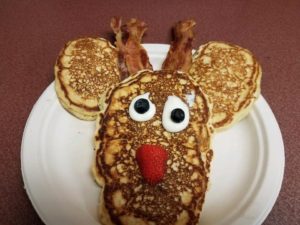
x,y
33,32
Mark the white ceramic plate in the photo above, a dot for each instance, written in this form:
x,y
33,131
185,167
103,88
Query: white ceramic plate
x,y
57,153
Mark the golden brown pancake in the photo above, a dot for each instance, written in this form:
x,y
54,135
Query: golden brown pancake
x,y
127,198
230,76
84,70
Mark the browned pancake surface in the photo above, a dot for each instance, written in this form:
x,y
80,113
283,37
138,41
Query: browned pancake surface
x,y
230,76
84,70
181,193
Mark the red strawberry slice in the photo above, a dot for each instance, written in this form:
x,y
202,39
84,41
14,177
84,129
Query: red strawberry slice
x,y
152,162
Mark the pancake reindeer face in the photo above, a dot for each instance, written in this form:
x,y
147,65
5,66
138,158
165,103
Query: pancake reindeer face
x,y
154,149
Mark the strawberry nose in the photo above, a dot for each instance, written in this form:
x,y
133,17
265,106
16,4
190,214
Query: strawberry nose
x,y
152,162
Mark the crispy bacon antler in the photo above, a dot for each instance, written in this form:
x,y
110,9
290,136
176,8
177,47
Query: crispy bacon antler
x,y
180,54
132,56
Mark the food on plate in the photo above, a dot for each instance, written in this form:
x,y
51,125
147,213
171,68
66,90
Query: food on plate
x,y
154,128
132,55
152,147
230,76
153,151
180,53
87,67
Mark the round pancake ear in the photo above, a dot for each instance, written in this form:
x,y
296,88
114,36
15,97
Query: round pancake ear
x,y
230,76
79,71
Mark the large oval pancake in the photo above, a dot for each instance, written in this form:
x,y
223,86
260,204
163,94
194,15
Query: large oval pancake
x,y
230,76
84,70
178,198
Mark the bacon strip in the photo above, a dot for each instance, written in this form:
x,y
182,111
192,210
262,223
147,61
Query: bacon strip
x,y
180,53
132,56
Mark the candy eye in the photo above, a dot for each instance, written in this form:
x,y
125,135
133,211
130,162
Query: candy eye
x,y
141,108
176,115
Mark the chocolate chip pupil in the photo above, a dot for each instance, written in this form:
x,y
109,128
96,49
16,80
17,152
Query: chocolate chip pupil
x,y
142,105
177,115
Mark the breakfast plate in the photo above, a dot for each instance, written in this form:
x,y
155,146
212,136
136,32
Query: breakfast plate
x,y
57,153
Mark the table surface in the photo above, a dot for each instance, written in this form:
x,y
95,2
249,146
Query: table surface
x,y
33,32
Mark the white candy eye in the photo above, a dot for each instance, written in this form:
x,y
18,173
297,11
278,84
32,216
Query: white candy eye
x,y
141,108
176,115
